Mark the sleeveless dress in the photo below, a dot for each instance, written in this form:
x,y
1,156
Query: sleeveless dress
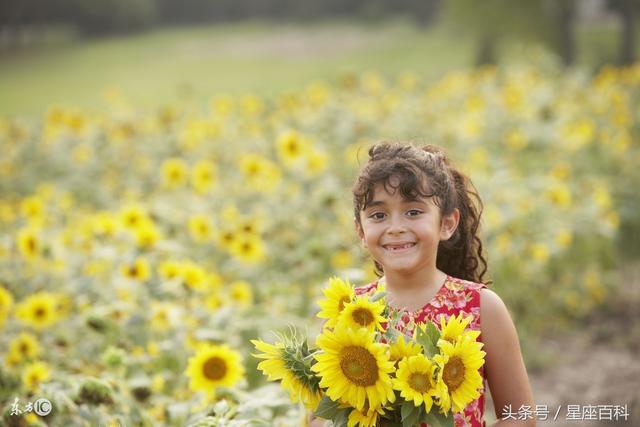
x,y
454,297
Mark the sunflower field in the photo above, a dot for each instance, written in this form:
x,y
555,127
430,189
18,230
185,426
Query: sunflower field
x,y
142,250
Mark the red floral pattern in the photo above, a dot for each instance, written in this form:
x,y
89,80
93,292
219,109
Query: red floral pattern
x,y
454,297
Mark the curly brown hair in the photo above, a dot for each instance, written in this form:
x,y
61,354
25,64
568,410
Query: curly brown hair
x,y
427,172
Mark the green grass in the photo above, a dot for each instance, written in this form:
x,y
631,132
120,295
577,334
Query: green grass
x,y
164,65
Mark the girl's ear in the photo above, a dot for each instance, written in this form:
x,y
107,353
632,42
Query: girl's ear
x,y
449,224
360,232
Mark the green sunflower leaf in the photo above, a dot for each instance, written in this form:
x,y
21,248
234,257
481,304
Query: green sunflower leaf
x,y
428,339
406,410
327,408
342,417
435,419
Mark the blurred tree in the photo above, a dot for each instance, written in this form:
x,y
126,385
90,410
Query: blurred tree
x,y
491,21
96,17
626,10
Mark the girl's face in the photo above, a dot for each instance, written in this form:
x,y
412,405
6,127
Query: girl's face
x,y
403,235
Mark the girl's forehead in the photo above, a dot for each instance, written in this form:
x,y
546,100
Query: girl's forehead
x,y
389,192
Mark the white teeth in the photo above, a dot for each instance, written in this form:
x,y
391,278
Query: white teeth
x,y
399,247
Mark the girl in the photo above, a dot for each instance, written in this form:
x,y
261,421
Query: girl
x,y
418,217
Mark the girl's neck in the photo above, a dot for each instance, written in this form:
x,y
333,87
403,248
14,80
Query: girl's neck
x,y
425,281
413,293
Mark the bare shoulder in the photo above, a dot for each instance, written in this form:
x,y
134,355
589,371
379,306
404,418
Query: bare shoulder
x,y
496,325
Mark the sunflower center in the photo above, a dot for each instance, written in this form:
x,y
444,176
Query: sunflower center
x,y
419,381
24,348
362,316
453,374
343,301
359,366
214,368
39,312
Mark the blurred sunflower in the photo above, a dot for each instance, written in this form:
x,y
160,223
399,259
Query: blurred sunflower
x,y
203,176
146,234
139,270
214,366
169,270
29,242
193,275
248,249
353,368
38,310
200,228
285,362
174,172
26,345
6,303
337,294
241,293
35,374
292,147
132,216
458,378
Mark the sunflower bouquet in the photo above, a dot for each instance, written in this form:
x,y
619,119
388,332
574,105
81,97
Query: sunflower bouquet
x,y
364,371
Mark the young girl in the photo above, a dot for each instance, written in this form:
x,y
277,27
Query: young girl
x,y
418,217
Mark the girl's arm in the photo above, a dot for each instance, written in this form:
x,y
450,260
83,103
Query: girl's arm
x,y
504,367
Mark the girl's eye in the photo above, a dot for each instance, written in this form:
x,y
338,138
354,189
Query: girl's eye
x,y
414,212
377,215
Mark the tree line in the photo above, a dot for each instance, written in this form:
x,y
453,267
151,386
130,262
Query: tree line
x,y
487,21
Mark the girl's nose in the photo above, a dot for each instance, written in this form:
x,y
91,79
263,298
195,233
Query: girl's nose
x,y
396,225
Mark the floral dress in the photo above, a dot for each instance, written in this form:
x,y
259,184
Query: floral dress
x,y
454,297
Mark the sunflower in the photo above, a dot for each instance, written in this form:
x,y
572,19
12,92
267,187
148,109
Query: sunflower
x,y
401,349
414,380
337,294
203,176
287,363
174,172
200,228
29,243
26,345
38,310
362,313
455,327
249,249
6,302
131,216
364,418
214,366
241,293
138,270
458,377
354,368
34,374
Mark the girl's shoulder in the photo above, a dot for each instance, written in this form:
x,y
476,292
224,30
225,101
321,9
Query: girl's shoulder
x,y
455,284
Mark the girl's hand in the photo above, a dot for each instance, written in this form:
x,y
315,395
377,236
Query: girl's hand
x,y
315,422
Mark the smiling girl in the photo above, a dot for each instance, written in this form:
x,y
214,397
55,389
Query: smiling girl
x,y
418,217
